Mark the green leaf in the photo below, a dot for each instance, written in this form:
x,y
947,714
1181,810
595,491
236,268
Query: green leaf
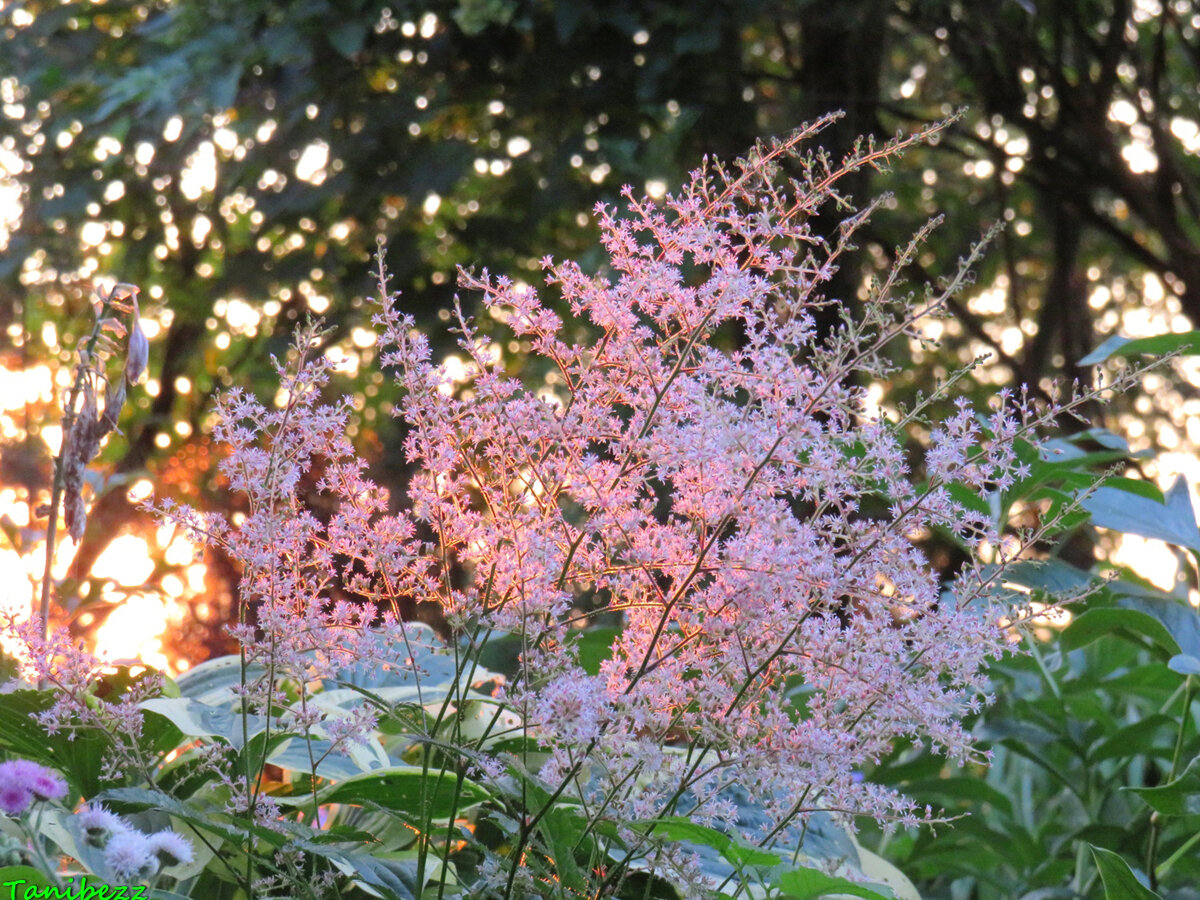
x,y
1180,619
1119,881
1173,521
298,754
210,682
408,790
1050,575
196,719
678,828
1098,623
1156,345
974,790
1180,797
595,646
396,880
563,831
193,813
1143,736
809,884
80,760
1184,664
24,877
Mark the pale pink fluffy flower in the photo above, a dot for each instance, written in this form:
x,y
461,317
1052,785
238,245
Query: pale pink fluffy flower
x,y
130,857
170,848
99,825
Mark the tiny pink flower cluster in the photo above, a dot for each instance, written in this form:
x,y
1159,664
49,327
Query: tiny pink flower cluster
x,y
22,782
63,662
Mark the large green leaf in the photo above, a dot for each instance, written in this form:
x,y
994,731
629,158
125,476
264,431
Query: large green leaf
x,y
19,878
563,830
595,646
196,719
1172,521
1099,623
211,681
811,884
205,818
393,879
1119,881
298,755
80,760
409,791
1154,732
1179,618
678,828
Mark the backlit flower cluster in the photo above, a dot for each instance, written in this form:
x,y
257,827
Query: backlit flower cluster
x,y
700,465
697,463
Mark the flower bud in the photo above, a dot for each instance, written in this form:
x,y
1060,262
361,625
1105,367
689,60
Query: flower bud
x,y
139,348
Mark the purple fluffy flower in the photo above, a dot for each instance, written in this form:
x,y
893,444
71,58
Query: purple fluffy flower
x,y
99,825
129,856
43,783
171,848
15,798
23,776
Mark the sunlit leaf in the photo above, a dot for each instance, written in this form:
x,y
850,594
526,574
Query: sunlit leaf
x,y
1117,347
1172,521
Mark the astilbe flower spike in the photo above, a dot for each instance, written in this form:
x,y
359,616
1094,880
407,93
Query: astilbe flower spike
x,y
775,635
712,497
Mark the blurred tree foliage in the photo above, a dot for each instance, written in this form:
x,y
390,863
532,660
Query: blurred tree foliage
x,y
237,158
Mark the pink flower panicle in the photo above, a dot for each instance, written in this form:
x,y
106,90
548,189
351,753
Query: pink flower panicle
x,y
64,663
712,498
293,564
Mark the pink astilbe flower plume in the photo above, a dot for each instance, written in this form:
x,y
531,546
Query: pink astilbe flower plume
x,y
712,499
